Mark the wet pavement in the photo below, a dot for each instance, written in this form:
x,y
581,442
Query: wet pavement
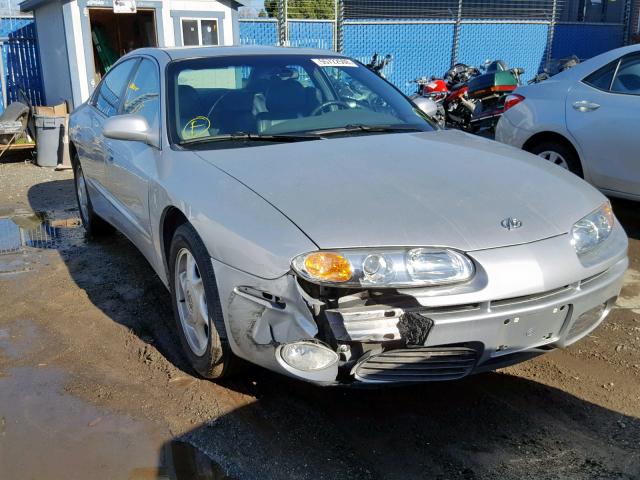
x,y
93,384
45,432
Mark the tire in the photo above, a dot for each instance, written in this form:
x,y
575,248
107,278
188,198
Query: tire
x,y
92,223
560,154
204,341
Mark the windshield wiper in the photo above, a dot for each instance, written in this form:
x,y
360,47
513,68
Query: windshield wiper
x,y
360,127
245,136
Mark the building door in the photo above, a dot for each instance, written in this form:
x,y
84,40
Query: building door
x,y
115,34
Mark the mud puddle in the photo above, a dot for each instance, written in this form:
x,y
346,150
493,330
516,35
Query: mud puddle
x,y
39,230
25,232
47,433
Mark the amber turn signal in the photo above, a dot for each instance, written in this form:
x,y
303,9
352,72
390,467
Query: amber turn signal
x,y
328,267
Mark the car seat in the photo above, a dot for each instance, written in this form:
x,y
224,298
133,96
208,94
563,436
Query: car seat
x,y
285,100
235,112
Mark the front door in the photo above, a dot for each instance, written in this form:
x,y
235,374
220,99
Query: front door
x,y
105,103
130,164
603,114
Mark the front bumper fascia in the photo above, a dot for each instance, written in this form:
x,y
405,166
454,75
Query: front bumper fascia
x,y
262,314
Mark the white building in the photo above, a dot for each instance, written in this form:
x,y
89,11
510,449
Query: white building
x,y
79,39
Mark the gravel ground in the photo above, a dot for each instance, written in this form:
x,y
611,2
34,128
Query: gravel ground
x,y
92,383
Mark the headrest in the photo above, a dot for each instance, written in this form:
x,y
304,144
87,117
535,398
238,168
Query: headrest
x,y
286,96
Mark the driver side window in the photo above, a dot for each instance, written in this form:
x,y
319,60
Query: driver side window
x,y
142,96
107,97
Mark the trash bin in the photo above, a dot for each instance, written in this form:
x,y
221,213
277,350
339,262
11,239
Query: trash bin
x,y
49,131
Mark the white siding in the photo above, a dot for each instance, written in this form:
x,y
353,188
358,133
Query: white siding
x,y
54,59
200,6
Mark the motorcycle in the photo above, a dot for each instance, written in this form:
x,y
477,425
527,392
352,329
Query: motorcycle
x,y
555,67
377,64
449,93
436,91
471,98
488,92
457,104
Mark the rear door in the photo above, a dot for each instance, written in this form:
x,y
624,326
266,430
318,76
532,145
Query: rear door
x,y
131,164
603,114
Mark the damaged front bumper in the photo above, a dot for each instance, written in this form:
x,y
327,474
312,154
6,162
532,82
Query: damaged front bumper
x,y
409,335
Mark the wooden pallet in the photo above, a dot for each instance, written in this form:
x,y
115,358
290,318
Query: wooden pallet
x,y
17,146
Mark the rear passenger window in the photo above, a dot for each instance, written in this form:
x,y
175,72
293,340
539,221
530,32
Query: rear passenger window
x,y
602,78
627,79
107,98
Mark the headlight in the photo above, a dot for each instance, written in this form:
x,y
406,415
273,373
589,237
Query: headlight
x,y
592,230
386,267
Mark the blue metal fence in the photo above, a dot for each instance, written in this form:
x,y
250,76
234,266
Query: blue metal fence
x,y
418,48
20,60
259,32
311,34
424,47
519,44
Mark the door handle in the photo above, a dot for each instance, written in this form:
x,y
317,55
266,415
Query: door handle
x,y
585,106
109,152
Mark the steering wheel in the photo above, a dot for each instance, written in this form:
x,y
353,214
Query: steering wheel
x,y
320,108
215,104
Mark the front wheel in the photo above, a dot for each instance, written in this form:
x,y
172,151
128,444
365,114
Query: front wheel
x,y
196,306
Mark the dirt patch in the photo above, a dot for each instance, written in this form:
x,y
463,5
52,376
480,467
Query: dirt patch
x,y
92,319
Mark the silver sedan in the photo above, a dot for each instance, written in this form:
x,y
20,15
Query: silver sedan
x,y
585,120
308,218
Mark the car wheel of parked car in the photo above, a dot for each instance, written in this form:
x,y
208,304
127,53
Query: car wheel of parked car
x,y
92,223
196,306
558,154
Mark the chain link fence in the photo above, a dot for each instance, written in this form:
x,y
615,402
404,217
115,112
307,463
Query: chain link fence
x,y
427,36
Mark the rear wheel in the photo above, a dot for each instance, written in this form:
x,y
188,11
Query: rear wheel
x,y
196,306
559,154
92,223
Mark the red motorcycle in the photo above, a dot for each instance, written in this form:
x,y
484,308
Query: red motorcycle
x,y
436,90
450,93
472,99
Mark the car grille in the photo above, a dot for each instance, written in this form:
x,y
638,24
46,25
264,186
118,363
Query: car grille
x,y
421,364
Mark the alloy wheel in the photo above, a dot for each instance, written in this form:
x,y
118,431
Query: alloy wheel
x,y
555,157
192,302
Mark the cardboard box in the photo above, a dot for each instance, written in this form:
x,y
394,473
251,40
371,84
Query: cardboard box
x,y
54,111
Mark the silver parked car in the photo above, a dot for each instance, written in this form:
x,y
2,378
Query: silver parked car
x,y
307,217
585,120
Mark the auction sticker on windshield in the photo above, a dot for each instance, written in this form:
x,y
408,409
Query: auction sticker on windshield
x,y
334,62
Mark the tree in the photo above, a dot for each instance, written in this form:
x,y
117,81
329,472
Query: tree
x,y
323,9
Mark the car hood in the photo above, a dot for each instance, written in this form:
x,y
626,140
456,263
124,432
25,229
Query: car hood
x,y
441,188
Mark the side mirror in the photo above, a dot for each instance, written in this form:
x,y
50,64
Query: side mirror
x,y
130,127
427,106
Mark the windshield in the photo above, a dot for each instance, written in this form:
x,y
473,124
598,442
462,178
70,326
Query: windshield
x,y
236,97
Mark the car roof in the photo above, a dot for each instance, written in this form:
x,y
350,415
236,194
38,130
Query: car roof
x,y
592,64
177,53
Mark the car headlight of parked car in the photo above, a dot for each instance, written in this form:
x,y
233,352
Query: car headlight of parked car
x,y
590,231
386,267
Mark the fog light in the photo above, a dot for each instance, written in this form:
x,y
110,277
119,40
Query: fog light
x,y
588,320
308,356
593,315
